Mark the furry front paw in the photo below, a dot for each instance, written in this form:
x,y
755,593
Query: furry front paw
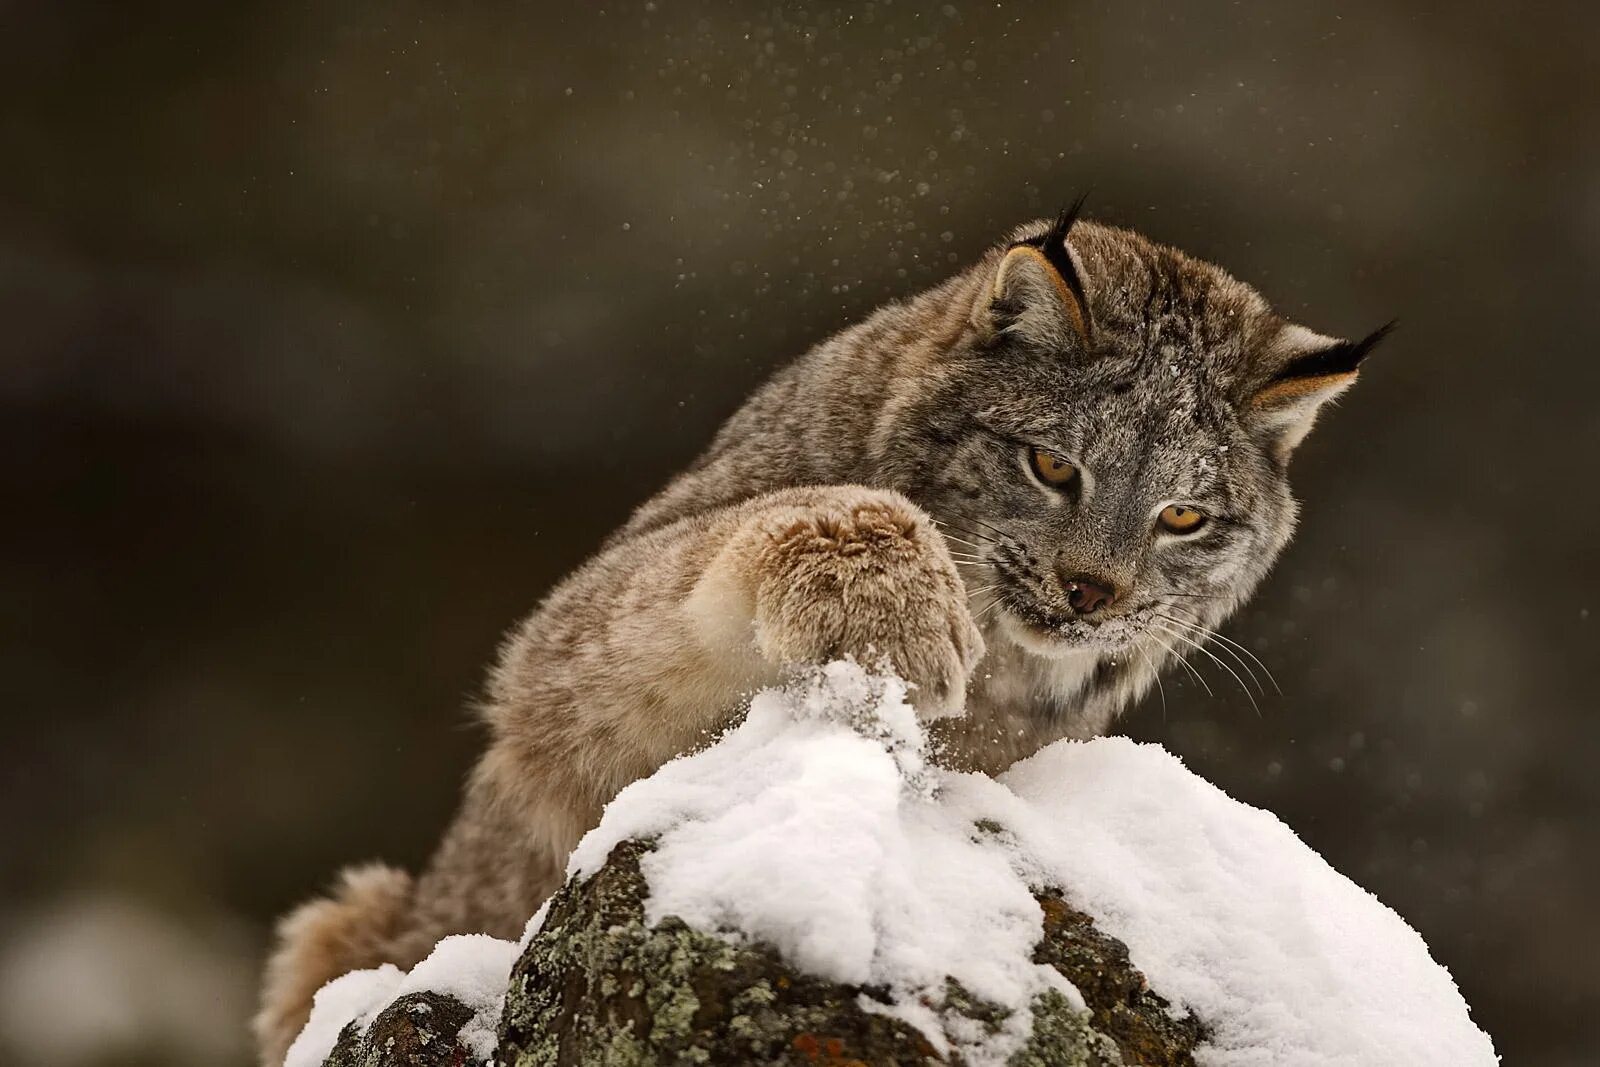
x,y
865,576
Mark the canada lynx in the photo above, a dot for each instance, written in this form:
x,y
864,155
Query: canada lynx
x,y
1027,488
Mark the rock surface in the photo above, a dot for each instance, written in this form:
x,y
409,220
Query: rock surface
x,y
597,986
417,1030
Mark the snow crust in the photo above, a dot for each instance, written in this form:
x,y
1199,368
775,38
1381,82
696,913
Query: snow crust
x,y
818,826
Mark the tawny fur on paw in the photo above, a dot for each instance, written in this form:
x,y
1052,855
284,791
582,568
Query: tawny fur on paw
x,y
866,576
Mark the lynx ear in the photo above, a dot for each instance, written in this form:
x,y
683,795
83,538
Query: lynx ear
x,y
1311,370
1037,291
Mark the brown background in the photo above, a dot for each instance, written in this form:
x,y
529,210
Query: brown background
x,y
333,334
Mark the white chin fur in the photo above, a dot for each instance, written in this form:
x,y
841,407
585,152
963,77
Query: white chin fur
x,y
1074,642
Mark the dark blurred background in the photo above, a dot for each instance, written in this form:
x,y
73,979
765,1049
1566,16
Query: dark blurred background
x,y
334,334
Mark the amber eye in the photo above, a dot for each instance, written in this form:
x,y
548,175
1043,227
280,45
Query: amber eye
x,y
1051,469
1175,518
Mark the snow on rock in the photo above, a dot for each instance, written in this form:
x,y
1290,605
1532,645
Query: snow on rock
x,y
357,995
1231,915
812,826
472,968
818,827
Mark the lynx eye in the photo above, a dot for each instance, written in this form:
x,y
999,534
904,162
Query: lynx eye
x,y
1051,469
1175,518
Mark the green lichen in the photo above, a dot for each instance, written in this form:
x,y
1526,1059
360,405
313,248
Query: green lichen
x,y
1062,1036
598,987
417,1030
1122,1005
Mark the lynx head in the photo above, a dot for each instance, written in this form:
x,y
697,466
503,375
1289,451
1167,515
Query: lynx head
x,y
1107,433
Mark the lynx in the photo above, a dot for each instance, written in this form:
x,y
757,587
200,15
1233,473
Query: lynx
x,y
1026,489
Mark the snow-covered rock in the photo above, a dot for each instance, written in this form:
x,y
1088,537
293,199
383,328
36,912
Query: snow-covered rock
x,y
470,969
814,877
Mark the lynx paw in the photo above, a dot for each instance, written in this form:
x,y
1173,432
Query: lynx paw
x,y
865,576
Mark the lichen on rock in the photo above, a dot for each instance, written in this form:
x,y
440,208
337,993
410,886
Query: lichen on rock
x,y
417,1030
599,986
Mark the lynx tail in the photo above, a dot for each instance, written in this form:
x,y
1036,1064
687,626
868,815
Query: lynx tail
x,y
323,939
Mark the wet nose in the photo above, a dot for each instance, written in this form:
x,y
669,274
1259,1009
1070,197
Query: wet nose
x,y
1088,594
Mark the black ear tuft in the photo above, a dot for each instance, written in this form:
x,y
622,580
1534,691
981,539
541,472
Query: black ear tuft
x,y
1340,359
1056,235
1052,244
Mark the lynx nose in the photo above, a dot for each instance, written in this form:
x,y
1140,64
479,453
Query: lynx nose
x,y
1088,595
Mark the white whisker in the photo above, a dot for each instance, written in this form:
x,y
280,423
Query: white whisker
x,y
1208,632
1242,648
947,535
1197,646
1264,669
1187,665
944,524
1156,673
994,529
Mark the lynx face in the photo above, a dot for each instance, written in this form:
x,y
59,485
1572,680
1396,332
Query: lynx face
x,y
1108,445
